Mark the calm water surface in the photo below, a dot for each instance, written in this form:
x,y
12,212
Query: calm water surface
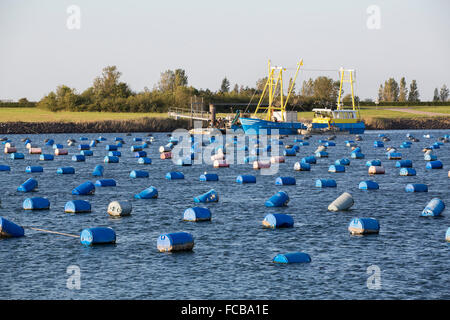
x,y
233,253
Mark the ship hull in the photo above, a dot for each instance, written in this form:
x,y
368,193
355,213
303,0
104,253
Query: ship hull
x,y
352,128
258,126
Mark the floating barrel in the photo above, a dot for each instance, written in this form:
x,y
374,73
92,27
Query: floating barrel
x,y
405,145
87,153
289,152
278,220
78,158
368,185
166,148
378,144
220,164
28,185
83,139
140,154
407,172
285,181
261,164
330,144
83,147
246,179
149,193
351,144
9,145
279,199
186,161
364,226
35,151
403,164
434,146
61,152
342,162
343,202
32,169
336,168
178,241
210,196
29,145
144,160
357,155
136,148
65,170
434,208
326,183
36,203
85,188
93,143
5,168
57,146
114,153
137,139
250,159
120,208
111,147
302,166
77,206
17,156
434,165
309,159
277,159
139,174
197,214
376,170
46,157
174,175
356,149
99,235
295,140
9,229
118,139
209,177
109,159
321,154
375,162
430,157
105,183
292,257
394,155
119,144
416,187
304,143
49,142
447,235
98,171
166,155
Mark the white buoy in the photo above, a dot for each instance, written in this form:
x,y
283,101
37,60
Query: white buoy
x,y
343,202
119,208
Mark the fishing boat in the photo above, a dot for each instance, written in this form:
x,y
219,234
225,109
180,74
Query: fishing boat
x,y
340,119
276,119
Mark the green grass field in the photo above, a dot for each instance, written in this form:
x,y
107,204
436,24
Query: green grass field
x,y
39,115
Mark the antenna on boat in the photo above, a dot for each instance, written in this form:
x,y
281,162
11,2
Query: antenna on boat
x,y
346,75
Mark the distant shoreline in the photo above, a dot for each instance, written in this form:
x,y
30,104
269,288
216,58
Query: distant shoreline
x,y
168,125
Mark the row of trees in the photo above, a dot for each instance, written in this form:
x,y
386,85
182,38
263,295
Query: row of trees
x,y
394,92
441,95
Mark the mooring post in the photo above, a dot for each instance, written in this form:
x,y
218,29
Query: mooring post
x,y
212,111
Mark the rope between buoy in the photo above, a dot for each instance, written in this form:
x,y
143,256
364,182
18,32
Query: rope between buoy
x,y
54,232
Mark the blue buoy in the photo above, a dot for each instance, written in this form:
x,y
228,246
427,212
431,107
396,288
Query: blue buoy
x,y
330,144
196,214
285,181
368,185
111,147
434,165
140,154
250,159
309,159
93,143
32,169
378,144
246,179
407,172
144,160
137,139
430,157
78,158
36,203
99,235
17,156
302,166
357,155
46,157
336,168
83,147
416,187
210,196
434,208
86,188
375,162
114,153
394,155
149,193
50,142
403,164
136,148
77,206
83,139
109,159
292,257
9,229
105,183
5,168
174,175
87,153
209,177
321,154
326,183
28,185
304,143
139,174
65,170
343,162
98,171
279,199
278,220
289,152
58,146
186,161
178,241
364,226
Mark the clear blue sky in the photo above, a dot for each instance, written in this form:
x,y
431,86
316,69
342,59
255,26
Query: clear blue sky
x,y
213,39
